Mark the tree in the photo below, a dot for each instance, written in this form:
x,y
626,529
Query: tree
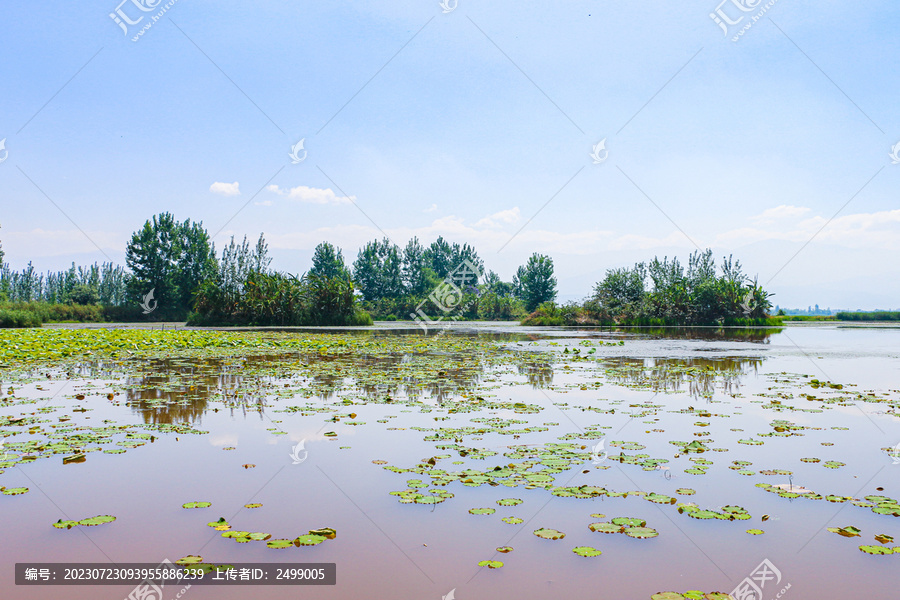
x,y
171,258
622,290
377,271
328,262
415,277
536,281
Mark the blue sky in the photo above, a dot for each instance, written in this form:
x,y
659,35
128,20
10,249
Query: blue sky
x,y
474,124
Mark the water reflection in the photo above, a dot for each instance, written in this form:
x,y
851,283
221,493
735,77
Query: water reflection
x,y
701,377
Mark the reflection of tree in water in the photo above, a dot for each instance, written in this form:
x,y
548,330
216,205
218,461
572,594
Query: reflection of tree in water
x,y
538,374
702,376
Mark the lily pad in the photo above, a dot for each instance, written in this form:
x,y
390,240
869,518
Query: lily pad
x,y
99,520
196,505
641,533
65,524
504,549
606,528
253,505
876,549
309,540
482,511
190,559
629,522
491,564
17,491
549,534
280,544
586,551
509,502
513,520
755,531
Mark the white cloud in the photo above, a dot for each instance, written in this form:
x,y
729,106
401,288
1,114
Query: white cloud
x,y
226,189
431,208
498,219
785,211
311,195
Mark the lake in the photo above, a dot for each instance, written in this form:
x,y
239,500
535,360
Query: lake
x,y
427,453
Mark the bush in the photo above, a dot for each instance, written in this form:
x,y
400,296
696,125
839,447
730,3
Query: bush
x,y
19,318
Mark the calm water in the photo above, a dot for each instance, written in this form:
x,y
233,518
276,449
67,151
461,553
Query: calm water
x,y
651,390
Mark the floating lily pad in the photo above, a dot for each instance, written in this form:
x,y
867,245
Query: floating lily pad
x,y
755,531
509,502
326,532
280,544
190,559
641,533
99,520
482,511
504,549
876,549
883,538
848,531
259,536
586,551
196,505
606,528
685,492
17,491
308,540
549,534
253,505
629,522
65,524
513,520
491,564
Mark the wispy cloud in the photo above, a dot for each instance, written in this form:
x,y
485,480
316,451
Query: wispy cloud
x,y
499,219
780,213
312,195
226,189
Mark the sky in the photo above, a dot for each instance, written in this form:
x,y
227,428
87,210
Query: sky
x,y
599,133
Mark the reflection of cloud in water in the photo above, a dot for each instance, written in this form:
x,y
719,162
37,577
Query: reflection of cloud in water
x,y
223,439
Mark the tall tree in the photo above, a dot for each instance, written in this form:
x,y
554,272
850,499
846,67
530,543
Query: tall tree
x,y
171,258
328,262
377,271
537,281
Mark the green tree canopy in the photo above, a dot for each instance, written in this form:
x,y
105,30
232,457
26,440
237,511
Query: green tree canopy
x,y
328,261
535,281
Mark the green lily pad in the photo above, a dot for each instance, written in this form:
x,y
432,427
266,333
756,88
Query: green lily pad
x,y
259,537
641,533
685,492
309,540
509,502
755,531
876,549
491,564
326,532
253,505
99,520
65,524
629,522
505,549
586,551
848,531
14,491
606,528
482,511
513,520
549,534
190,559
196,505
280,544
